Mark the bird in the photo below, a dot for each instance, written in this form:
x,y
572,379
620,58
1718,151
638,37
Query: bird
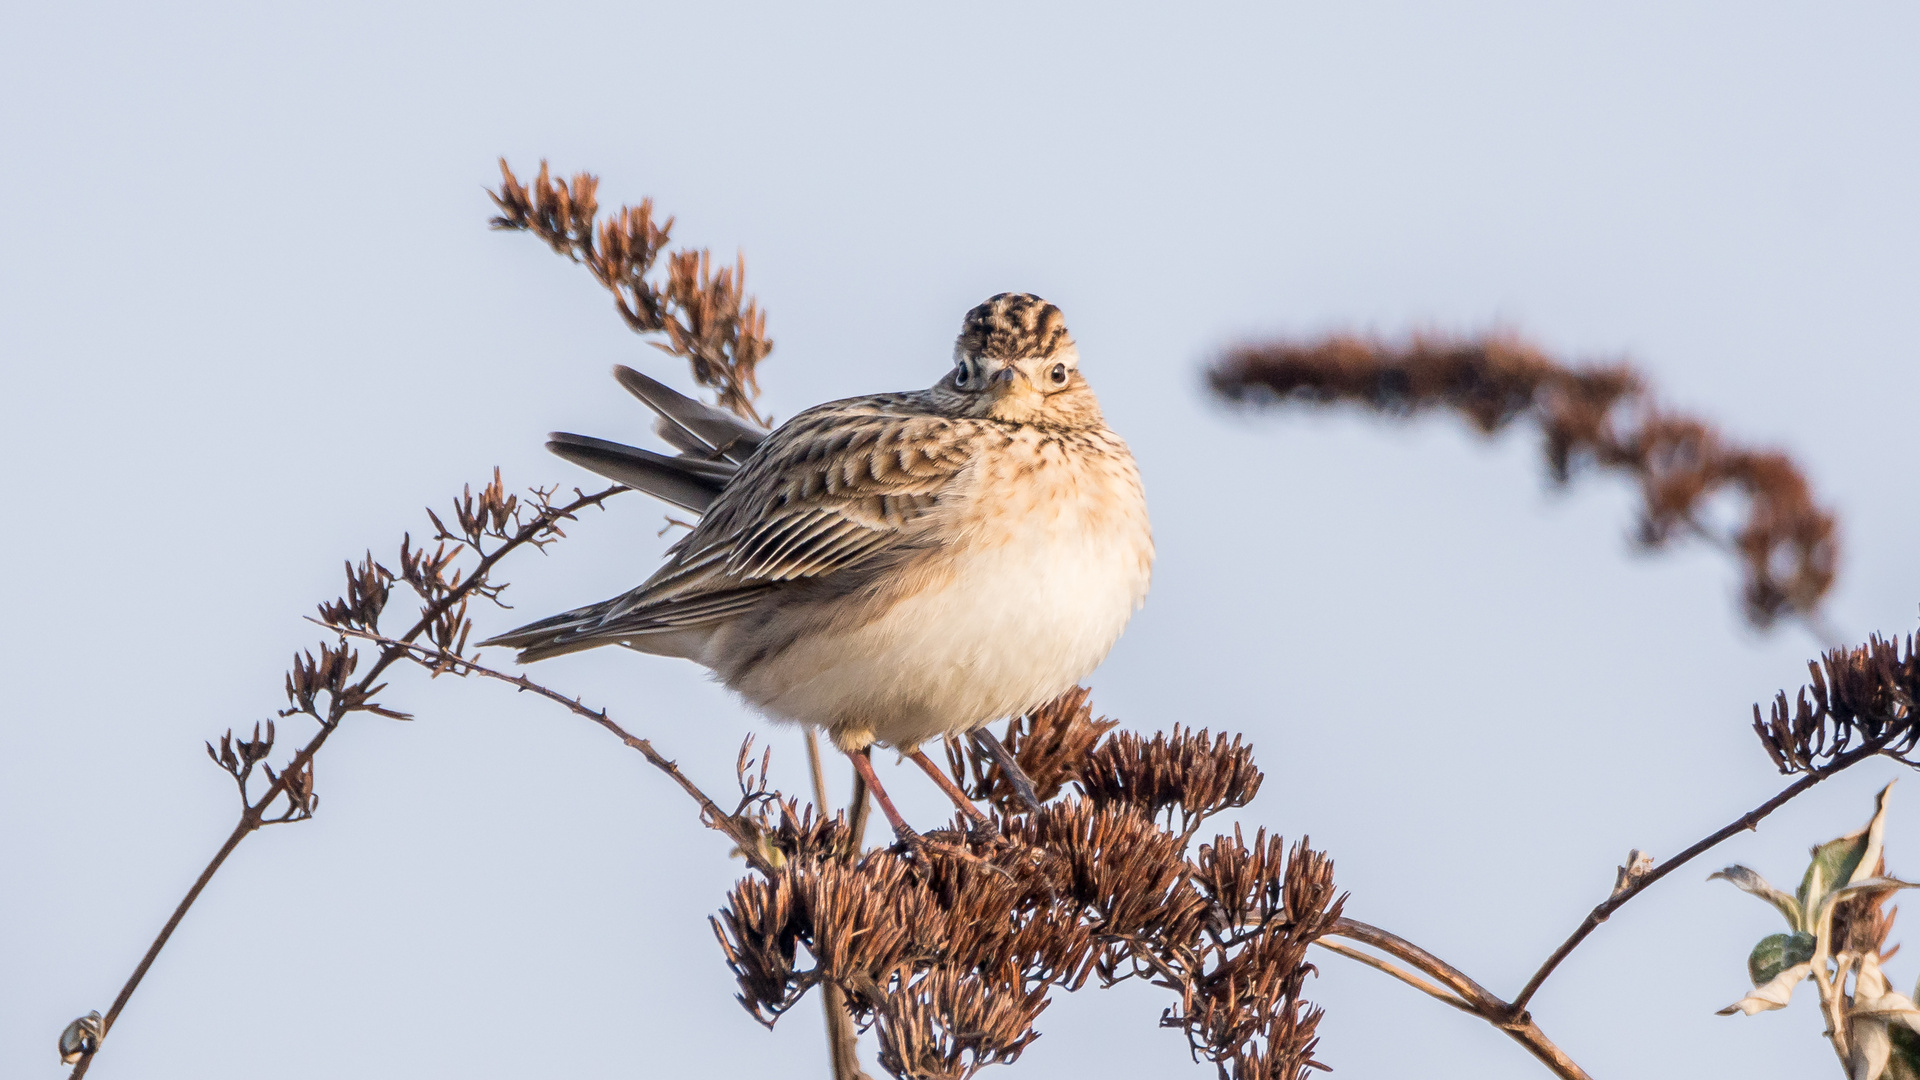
x,y
892,568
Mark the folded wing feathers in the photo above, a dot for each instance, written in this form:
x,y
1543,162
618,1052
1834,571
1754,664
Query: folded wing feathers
x,y
688,483
732,570
692,427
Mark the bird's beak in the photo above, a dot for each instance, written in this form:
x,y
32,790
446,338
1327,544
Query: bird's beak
x,y
1014,397
1003,381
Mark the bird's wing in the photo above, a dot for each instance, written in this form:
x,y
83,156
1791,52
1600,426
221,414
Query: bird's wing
x,y
690,483
833,488
692,427
712,443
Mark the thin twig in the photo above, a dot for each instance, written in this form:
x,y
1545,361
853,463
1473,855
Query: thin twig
x,y
1744,822
1517,1025
1832,999
251,817
1478,998
842,1043
743,835
1398,972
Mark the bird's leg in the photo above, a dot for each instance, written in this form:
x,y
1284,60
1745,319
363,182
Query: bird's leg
x,y
995,749
978,823
863,764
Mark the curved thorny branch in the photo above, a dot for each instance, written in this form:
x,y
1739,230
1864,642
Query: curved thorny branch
x,y
1600,417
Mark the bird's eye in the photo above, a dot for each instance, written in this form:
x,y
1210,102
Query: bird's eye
x,y
963,374
1059,374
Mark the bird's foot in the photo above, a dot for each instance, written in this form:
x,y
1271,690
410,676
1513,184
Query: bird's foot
x,y
985,831
908,842
1009,766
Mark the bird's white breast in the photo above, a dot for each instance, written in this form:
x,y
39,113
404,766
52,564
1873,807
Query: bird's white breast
x,y
1047,555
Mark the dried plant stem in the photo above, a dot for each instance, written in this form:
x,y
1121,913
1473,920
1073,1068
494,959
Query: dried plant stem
x,y
1455,988
249,821
1440,992
1603,417
842,1043
1832,1000
1744,822
710,813
1472,997
254,815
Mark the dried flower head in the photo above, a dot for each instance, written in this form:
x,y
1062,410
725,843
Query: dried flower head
x,y
1183,771
948,1025
1601,417
1859,696
704,313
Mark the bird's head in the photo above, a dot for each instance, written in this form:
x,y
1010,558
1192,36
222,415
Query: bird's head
x,y
1015,361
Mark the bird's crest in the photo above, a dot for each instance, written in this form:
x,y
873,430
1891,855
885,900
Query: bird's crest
x,y
1014,326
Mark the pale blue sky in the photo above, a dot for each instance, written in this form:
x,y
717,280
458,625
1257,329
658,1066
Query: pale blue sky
x,y
253,321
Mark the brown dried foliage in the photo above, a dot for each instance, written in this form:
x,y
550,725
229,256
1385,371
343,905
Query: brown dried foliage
x,y
1601,416
704,313
325,684
1864,695
1862,922
1182,771
949,951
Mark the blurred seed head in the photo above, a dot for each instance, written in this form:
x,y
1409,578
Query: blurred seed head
x,y
1590,417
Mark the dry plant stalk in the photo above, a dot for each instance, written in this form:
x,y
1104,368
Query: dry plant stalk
x,y
948,949
705,318
326,685
704,313
1602,417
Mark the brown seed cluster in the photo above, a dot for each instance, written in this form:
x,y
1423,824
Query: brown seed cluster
x,y
1857,696
1600,417
1183,772
704,313
949,950
330,681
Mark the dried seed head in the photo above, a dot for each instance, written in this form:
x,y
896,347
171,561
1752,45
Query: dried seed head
x,y
368,586
1186,771
1120,871
950,954
801,835
1244,1011
758,929
947,1025
1593,416
1855,695
1244,885
705,313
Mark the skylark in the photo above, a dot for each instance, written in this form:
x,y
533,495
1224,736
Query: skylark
x,y
890,568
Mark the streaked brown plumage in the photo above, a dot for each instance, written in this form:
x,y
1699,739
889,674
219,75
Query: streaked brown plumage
x,y
895,567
